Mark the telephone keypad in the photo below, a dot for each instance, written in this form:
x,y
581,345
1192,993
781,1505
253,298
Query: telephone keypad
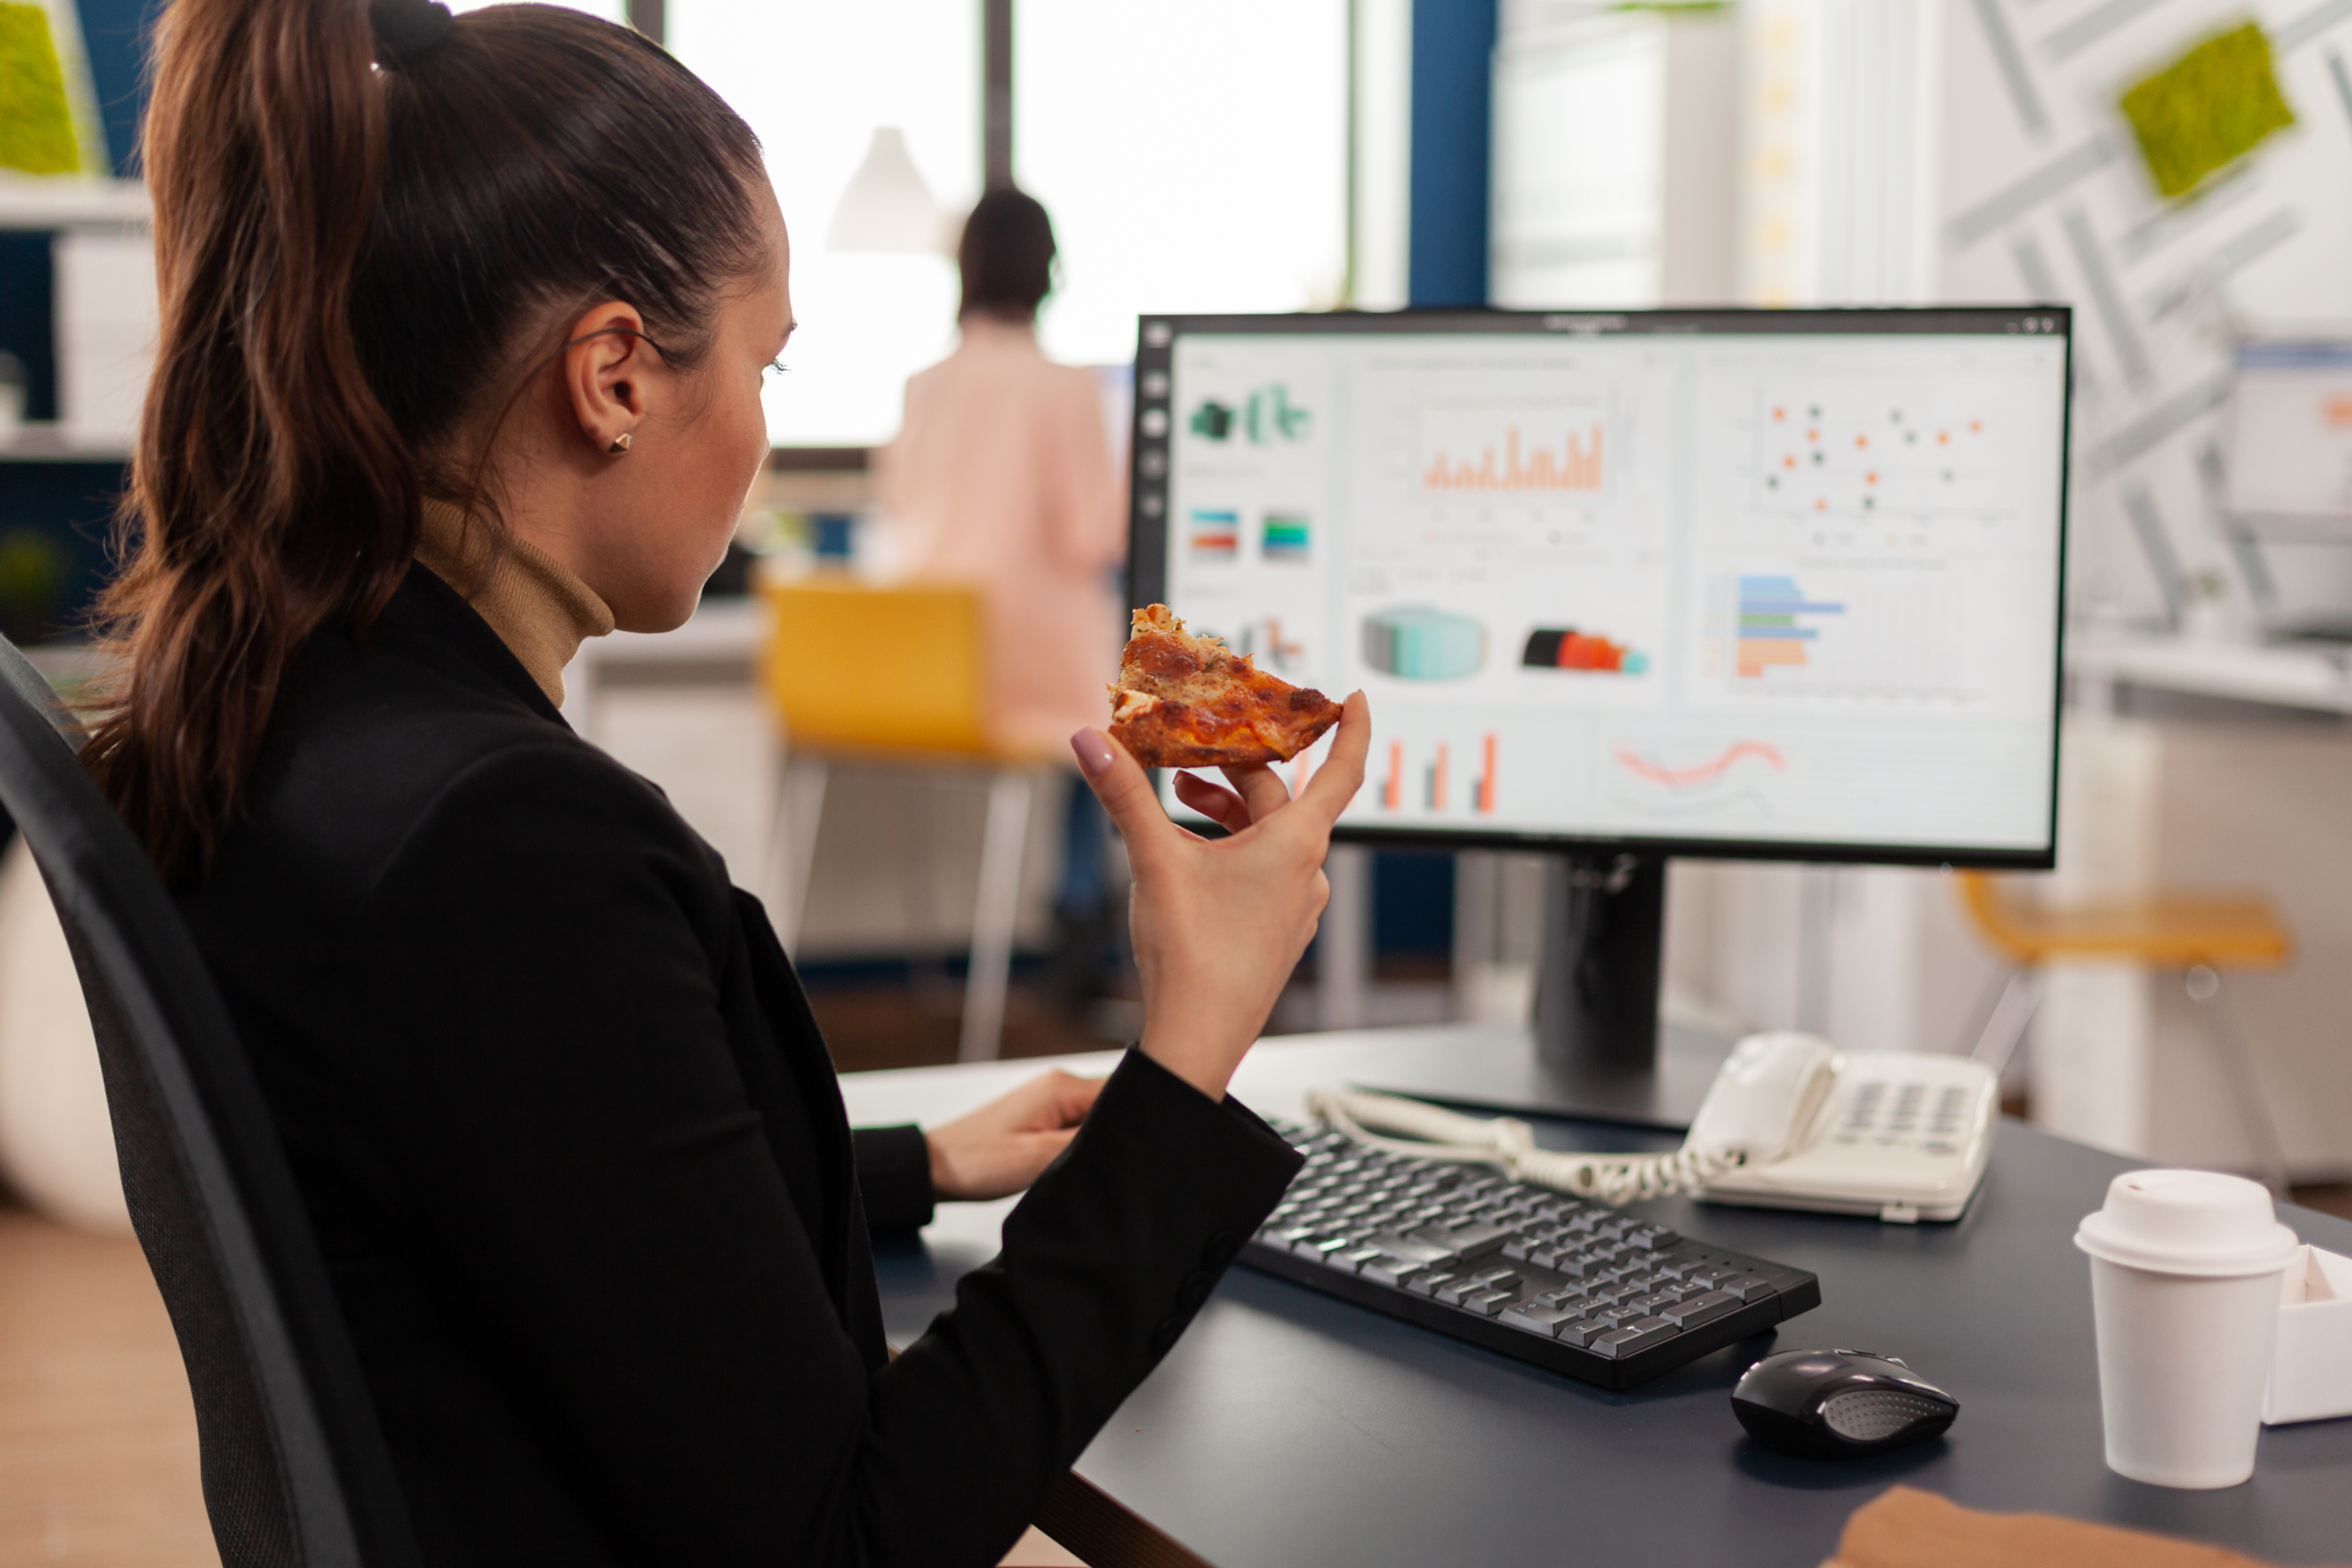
x,y
1892,1117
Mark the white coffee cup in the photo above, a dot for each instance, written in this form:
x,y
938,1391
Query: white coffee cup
x,y
2185,1269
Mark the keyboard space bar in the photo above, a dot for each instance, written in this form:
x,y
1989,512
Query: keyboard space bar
x,y
1436,1243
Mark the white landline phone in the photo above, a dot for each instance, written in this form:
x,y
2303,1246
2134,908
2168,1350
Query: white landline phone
x,y
1791,1122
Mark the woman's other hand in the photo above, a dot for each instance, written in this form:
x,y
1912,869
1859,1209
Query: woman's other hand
x,y
1220,924
1001,1148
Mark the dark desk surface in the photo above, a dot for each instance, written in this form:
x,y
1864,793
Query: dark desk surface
x,y
1290,1428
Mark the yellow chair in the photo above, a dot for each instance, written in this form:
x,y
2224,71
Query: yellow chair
x,y
894,675
2197,935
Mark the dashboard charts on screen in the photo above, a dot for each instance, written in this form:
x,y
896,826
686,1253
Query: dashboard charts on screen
x,y
1862,453
1671,579
1554,447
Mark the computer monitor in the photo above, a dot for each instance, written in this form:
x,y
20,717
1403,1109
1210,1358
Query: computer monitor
x,y
1731,584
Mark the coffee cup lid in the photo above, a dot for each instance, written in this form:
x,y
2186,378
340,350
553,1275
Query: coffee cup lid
x,y
2188,1222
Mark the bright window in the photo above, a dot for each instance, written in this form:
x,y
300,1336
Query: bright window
x,y
816,79
1194,158
611,10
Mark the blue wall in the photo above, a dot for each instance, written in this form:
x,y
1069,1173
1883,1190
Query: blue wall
x,y
114,32
1453,77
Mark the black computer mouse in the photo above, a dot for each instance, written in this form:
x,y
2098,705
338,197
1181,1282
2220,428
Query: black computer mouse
x,y
1839,1404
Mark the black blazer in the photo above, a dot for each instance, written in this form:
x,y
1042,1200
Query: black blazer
x,y
580,1168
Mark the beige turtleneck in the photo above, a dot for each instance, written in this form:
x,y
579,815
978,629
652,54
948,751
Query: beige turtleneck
x,y
539,610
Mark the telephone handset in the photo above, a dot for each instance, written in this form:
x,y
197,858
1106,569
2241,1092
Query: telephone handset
x,y
1791,1122
1765,1098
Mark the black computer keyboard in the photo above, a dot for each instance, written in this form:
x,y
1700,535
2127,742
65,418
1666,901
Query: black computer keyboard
x,y
1581,1288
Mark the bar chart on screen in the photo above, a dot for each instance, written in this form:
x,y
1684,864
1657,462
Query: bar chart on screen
x,y
1418,779
1213,533
1906,632
1266,642
1776,625
1284,536
1536,450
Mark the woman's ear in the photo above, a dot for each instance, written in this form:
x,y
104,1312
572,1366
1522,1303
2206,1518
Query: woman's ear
x,y
607,360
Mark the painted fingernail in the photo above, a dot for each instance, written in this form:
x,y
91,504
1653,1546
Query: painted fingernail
x,y
1093,752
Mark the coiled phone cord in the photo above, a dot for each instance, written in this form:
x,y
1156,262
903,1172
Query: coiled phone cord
x,y
1509,1143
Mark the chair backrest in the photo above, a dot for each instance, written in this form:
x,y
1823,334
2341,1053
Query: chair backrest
x,y
2171,929
296,1471
860,668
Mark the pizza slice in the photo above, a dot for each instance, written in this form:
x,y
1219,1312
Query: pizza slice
x,y
1186,701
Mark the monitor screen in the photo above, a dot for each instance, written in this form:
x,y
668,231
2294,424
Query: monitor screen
x,y
1731,582
2288,434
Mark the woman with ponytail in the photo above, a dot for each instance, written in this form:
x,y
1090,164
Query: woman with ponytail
x,y
464,326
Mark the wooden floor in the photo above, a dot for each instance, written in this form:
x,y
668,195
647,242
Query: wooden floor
x,y
98,1442
886,1025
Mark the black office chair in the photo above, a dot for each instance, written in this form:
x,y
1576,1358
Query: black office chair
x,y
296,1472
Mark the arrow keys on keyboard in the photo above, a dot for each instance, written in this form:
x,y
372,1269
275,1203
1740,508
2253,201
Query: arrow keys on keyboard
x,y
1635,1336
1405,1244
1542,1319
1464,1240
1700,1310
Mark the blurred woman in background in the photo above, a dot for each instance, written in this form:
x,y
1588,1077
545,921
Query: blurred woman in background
x,y
1001,478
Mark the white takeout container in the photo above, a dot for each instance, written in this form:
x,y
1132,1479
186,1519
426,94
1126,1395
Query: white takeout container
x,y
2185,1271
2311,1360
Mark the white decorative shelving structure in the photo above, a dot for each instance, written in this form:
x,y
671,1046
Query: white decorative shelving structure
x,y
55,202
103,215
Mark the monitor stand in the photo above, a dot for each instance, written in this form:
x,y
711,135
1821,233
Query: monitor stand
x,y
1597,1047
1599,1052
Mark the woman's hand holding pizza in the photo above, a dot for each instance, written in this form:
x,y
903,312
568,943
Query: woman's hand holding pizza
x,y
1220,924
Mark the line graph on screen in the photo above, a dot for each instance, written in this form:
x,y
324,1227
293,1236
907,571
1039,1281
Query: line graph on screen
x,y
1730,780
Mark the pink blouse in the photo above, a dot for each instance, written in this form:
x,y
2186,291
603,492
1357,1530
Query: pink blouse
x,y
1001,478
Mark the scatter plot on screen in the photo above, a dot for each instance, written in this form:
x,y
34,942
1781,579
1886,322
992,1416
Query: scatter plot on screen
x,y
1849,454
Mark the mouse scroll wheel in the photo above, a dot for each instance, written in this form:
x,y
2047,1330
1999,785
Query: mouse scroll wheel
x,y
1872,1415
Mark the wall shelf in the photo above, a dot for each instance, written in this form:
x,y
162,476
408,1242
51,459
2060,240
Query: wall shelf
x,y
41,442
67,201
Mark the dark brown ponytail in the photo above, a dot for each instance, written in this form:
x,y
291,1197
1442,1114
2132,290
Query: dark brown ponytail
x,y
353,264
